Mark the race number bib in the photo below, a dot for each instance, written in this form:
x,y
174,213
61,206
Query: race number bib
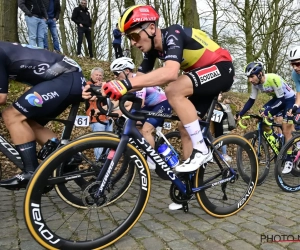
x,y
82,121
217,116
167,125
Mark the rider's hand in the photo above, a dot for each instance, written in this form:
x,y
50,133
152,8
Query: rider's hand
x,y
294,109
86,94
116,89
237,117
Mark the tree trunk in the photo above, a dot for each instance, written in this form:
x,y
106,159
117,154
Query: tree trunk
x,y
191,16
62,28
8,20
109,32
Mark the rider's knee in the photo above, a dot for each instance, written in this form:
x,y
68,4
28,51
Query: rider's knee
x,y
11,115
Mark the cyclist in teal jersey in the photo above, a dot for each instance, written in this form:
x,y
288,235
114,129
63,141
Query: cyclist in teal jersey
x,y
283,99
294,58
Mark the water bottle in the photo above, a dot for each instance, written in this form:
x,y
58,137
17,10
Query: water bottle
x,y
280,139
168,155
48,148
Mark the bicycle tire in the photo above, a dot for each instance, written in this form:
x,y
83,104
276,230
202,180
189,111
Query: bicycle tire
x,y
67,196
281,179
264,164
48,238
221,210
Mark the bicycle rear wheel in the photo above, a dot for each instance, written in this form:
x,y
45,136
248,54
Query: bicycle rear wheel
x,y
263,158
289,182
55,225
224,198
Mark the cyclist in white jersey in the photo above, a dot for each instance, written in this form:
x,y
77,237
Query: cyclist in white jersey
x,y
154,99
283,99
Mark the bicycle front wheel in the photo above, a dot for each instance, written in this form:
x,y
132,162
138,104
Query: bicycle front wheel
x,y
289,182
70,191
56,225
222,198
263,156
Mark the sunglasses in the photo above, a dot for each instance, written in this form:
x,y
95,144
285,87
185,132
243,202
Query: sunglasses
x,y
134,36
116,73
297,64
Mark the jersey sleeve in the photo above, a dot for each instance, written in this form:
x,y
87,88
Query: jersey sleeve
x,y
141,94
277,84
3,73
296,79
254,92
147,64
174,43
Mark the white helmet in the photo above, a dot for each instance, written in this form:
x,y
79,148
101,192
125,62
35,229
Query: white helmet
x,y
121,64
294,53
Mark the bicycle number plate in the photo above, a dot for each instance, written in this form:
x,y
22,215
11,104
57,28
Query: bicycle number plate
x,y
217,116
167,125
82,121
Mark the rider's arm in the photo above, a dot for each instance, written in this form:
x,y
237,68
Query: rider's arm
x,y
296,79
277,83
250,102
142,94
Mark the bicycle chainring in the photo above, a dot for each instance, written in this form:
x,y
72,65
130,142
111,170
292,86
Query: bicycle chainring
x,y
175,194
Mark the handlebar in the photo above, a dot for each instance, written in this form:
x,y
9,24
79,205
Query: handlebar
x,y
261,119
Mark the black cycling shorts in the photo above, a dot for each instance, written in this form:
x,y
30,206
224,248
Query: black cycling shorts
x,y
51,98
208,82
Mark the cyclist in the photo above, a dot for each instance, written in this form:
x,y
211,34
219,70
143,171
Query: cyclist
x,y
154,99
283,99
56,81
208,71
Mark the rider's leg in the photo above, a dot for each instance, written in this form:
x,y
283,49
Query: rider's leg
x,y
22,136
42,134
186,141
176,93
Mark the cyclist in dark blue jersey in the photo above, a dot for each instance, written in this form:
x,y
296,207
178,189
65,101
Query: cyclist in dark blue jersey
x,y
56,83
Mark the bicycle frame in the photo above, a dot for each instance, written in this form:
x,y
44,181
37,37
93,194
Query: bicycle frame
x,y
12,154
130,131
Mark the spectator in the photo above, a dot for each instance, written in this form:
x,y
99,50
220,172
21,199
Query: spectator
x,y
81,16
222,127
117,42
35,18
105,123
53,10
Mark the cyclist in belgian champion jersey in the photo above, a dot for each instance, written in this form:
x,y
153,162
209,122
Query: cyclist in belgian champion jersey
x,y
283,99
208,71
56,81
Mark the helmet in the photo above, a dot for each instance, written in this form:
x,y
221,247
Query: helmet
x,y
122,63
294,53
254,68
135,15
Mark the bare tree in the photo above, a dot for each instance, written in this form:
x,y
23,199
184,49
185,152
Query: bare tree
x,y
8,20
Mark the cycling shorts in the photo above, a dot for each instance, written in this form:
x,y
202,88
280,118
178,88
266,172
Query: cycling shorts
x,y
163,106
282,109
208,82
51,98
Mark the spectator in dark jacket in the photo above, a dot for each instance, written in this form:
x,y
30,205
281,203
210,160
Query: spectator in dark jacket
x,y
53,10
117,42
35,17
81,16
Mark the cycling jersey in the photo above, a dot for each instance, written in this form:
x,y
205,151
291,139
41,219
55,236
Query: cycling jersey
x,y
31,65
192,48
152,95
296,79
274,85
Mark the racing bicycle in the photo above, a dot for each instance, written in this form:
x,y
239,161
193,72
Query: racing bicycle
x,y
217,186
